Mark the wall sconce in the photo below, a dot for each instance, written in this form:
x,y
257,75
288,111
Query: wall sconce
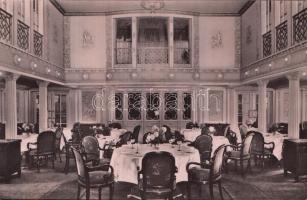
x,y
196,75
17,60
134,75
220,75
33,65
48,70
171,75
109,76
85,76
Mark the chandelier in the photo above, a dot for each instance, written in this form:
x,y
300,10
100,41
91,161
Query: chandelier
x,y
153,6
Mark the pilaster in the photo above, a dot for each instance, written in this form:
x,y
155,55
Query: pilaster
x,y
262,105
294,105
43,106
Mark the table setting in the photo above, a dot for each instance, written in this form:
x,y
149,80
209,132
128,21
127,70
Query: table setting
x,y
127,158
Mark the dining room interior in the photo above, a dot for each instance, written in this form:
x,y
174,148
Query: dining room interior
x,y
162,99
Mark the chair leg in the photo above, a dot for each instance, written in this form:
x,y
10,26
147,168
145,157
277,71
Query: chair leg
x,y
220,189
111,191
60,156
78,192
99,193
199,190
189,190
242,167
66,168
211,190
37,164
87,192
53,158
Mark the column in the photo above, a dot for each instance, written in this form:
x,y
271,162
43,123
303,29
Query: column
x,y
134,42
43,106
72,108
294,106
11,106
171,42
262,105
232,105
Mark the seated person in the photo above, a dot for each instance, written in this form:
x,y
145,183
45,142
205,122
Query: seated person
x,y
244,128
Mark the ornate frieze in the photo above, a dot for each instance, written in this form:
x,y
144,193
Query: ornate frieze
x,y
237,42
290,59
15,60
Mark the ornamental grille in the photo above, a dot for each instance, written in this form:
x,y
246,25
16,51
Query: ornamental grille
x,y
22,35
5,26
267,44
281,36
123,56
37,44
300,26
152,55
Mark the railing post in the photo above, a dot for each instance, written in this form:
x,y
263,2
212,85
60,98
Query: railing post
x,y
134,42
171,42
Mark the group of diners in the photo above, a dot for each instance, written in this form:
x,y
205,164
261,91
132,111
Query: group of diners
x,y
108,154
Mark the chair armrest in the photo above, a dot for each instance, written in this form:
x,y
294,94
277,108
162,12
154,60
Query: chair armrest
x,y
100,168
269,145
31,143
191,163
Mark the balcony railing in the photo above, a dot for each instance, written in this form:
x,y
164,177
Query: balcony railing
x,y
267,44
152,55
182,56
37,44
22,35
281,36
300,26
5,26
123,56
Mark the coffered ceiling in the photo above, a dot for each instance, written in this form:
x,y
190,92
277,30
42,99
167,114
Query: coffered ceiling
x,y
213,7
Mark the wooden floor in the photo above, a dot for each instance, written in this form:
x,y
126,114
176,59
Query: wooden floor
x,y
269,184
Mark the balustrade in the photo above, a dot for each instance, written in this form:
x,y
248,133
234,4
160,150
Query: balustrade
x,y
22,35
37,44
281,36
5,26
300,26
267,44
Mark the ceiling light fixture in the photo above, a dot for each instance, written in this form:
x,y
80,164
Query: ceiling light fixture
x,y
153,6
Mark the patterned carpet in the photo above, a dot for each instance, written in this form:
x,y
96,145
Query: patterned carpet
x,y
54,184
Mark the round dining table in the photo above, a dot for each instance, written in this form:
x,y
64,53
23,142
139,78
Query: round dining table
x,y
127,158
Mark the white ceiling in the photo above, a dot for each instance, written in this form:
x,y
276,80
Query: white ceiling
x,y
198,6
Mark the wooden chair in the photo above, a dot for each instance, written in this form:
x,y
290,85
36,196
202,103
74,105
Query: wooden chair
x,y
91,150
93,177
135,133
232,137
203,143
260,150
68,152
45,149
58,136
241,153
207,174
157,176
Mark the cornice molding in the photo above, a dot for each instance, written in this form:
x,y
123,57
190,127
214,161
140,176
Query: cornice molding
x,y
58,6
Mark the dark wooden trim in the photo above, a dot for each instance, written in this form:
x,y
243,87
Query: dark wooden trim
x,y
246,7
57,6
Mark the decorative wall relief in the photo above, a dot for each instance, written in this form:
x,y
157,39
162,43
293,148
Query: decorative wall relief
x,y
88,111
196,41
216,105
109,41
249,34
217,40
238,42
88,39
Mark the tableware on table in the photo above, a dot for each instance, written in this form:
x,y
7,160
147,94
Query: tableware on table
x,y
179,145
132,142
171,141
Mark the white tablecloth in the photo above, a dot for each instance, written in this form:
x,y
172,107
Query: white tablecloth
x,y
191,134
278,140
125,160
25,139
